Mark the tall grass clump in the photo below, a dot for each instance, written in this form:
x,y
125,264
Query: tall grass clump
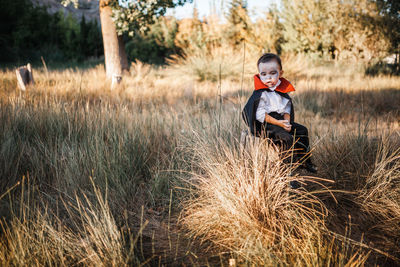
x,y
365,168
209,64
380,195
242,203
85,234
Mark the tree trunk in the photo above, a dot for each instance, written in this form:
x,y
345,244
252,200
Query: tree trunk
x,y
114,49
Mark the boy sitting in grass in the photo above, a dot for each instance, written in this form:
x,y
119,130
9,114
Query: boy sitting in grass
x,y
269,112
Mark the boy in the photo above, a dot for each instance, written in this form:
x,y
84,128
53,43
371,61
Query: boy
x,y
269,111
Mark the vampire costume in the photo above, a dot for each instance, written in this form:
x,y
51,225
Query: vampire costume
x,y
296,138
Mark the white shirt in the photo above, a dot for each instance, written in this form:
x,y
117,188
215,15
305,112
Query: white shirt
x,y
272,102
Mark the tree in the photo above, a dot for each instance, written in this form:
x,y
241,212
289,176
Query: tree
x,y
267,32
334,28
190,34
239,21
118,17
390,10
155,45
28,31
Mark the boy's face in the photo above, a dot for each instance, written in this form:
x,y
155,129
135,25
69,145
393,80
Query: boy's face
x,y
270,72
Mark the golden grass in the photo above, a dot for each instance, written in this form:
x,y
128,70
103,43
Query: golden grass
x,y
380,195
163,129
243,204
88,235
144,83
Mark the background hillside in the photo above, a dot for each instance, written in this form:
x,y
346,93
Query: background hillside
x,y
87,8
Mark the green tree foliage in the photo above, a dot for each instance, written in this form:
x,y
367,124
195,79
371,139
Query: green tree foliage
x,y
334,28
331,29
155,45
17,36
390,11
239,22
28,32
191,33
267,32
90,38
136,16
133,16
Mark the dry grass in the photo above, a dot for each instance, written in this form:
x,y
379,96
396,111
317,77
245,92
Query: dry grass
x,y
242,204
164,130
380,196
87,235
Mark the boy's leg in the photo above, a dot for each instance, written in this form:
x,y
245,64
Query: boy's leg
x,y
279,135
283,138
300,134
302,145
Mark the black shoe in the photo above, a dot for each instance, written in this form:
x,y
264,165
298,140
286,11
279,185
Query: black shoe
x,y
294,184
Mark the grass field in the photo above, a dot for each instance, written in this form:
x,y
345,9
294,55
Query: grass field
x,y
153,173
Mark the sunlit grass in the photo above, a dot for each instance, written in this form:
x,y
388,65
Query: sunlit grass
x,y
165,144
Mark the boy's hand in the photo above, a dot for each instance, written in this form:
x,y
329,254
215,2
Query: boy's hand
x,y
285,125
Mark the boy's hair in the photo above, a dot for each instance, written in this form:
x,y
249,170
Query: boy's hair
x,y
267,57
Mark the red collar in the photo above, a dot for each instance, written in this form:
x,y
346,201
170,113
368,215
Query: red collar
x,y
284,87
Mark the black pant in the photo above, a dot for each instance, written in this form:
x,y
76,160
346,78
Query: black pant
x,y
297,138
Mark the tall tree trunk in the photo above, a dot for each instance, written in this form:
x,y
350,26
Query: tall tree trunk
x,y
114,49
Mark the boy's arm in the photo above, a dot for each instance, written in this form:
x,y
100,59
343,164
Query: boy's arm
x,y
281,123
286,116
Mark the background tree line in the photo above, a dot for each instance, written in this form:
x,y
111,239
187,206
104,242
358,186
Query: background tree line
x,y
28,32
329,29
366,30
